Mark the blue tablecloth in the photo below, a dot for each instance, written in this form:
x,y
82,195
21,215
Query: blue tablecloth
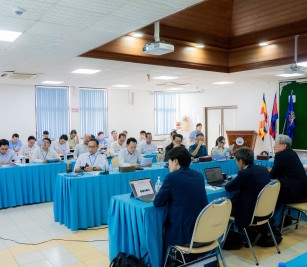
x,y
136,227
31,183
83,202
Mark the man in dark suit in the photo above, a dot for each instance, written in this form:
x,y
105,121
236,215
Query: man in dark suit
x,y
251,179
183,191
177,142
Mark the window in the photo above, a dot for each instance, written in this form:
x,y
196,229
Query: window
x,y
165,113
93,110
52,110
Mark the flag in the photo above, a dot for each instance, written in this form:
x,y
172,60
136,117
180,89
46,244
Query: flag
x,y
274,118
290,118
263,123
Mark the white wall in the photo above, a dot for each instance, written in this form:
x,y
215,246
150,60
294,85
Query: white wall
x,y
18,108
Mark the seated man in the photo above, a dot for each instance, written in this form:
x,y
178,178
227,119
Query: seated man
x,y
73,139
142,137
183,191
45,152
28,149
169,140
45,135
251,179
118,145
193,134
147,147
198,149
7,155
112,138
91,160
103,143
61,145
82,148
15,144
130,156
177,141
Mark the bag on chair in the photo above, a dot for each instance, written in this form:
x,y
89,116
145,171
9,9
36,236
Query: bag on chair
x,y
121,260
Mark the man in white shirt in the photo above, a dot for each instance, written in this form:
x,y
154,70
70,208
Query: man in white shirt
x,y
61,145
130,156
112,138
7,155
45,152
28,149
142,137
82,148
118,145
91,160
147,147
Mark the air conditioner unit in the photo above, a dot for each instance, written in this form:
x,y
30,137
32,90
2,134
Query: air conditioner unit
x,y
22,76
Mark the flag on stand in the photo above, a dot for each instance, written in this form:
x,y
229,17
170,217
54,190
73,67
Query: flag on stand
x,y
274,118
290,118
263,123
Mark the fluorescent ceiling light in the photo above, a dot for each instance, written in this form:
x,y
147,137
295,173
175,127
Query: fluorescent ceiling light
x,y
223,82
303,64
52,82
290,75
85,71
263,44
165,77
9,36
121,85
199,45
136,34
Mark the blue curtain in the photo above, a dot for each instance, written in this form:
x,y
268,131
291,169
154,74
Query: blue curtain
x,y
165,113
52,111
93,110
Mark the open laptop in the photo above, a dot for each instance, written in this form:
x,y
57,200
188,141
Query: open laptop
x,y
143,189
214,176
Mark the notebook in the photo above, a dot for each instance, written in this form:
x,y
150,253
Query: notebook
x,y
143,189
146,162
214,176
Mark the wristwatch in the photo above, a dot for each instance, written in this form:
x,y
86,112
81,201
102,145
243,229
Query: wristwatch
x,y
94,169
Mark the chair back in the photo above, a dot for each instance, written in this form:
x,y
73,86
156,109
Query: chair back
x,y
212,221
115,162
266,202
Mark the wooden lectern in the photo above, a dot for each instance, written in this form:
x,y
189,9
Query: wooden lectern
x,y
241,138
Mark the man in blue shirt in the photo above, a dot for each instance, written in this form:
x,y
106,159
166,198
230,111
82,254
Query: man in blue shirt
x,y
195,132
103,143
15,144
198,149
45,135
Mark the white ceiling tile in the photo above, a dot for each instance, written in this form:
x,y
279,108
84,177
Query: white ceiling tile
x,y
44,28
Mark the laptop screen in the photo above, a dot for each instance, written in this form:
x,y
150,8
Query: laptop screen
x,y
213,174
142,187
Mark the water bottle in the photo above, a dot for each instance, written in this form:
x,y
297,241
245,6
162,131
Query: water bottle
x,y
65,156
23,160
304,159
110,167
158,185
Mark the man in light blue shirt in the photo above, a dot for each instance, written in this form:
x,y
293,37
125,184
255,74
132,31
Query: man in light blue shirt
x,y
45,135
130,156
103,143
195,132
15,144
147,147
7,155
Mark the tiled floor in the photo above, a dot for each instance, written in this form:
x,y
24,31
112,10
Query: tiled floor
x,y
34,223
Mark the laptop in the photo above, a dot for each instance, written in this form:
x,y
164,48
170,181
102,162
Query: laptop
x,y
214,176
146,162
143,189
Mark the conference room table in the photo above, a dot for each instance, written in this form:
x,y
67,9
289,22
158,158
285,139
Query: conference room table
x,y
82,202
28,183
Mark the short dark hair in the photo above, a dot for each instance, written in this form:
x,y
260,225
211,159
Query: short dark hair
x,y
177,135
142,132
4,142
173,132
219,139
48,140
131,139
200,134
73,132
31,137
15,135
99,133
122,134
94,140
64,136
181,154
114,131
148,133
198,124
245,154
46,132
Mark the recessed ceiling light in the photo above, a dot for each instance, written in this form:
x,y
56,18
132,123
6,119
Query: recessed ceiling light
x,y
136,34
263,44
199,45
223,82
85,71
303,64
165,77
52,82
290,75
9,36
121,85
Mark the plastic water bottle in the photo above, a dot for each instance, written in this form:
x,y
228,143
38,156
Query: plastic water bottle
x,y
158,185
65,156
110,167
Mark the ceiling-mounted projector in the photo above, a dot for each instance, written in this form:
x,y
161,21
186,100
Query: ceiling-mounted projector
x,y
158,47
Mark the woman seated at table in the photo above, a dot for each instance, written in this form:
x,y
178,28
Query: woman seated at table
x,y
220,149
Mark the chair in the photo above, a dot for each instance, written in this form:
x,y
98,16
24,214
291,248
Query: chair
x,y
115,162
210,225
264,210
300,208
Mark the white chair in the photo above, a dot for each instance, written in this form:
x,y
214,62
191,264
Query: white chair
x,y
210,225
264,210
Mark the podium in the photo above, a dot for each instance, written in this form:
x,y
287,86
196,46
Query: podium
x,y
241,138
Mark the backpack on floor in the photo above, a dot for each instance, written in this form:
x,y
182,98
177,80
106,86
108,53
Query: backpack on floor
x,y
121,260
